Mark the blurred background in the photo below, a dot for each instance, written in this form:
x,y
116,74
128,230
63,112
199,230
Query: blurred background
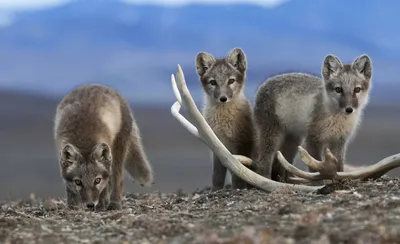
x,y
48,47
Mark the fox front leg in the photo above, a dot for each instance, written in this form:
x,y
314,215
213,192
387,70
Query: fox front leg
x,y
73,199
104,199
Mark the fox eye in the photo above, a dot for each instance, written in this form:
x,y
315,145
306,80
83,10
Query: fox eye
x,y
357,89
213,82
78,182
338,89
231,81
97,181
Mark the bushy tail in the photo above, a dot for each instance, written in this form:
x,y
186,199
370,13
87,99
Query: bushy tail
x,y
137,164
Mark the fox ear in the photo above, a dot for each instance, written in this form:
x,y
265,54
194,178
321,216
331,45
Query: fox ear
x,y
69,155
363,65
237,59
331,66
102,154
204,61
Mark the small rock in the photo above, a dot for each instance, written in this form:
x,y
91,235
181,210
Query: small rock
x,y
291,208
230,203
196,196
49,205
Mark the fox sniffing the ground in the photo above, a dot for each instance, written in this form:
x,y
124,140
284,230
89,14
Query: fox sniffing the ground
x,y
227,110
295,107
97,137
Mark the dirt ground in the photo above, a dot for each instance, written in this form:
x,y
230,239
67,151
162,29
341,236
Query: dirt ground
x,y
353,212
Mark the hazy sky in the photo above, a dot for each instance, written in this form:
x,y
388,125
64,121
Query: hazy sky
x,y
29,4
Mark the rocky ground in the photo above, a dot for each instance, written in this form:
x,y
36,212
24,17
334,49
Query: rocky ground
x,y
351,212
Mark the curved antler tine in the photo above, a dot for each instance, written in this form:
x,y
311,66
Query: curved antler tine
x,y
184,122
186,98
176,108
297,172
308,159
244,160
297,180
175,89
329,156
327,168
182,88
373,171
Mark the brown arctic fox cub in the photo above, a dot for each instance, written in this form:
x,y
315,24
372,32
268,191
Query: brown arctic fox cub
x,y
227,110
295,107
97,137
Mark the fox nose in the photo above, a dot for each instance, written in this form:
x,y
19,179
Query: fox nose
x,y
349,110
90,205
223,99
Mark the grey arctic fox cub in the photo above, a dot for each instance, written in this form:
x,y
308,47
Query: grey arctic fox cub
x,y
97,137
227,110
294,108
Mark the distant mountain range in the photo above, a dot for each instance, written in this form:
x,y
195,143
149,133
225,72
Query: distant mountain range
x,y
135,48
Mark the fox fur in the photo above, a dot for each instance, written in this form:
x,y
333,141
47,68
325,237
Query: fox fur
x,y
293,108
97,137
226,110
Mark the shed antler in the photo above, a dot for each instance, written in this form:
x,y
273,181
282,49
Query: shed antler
x,y
327,170
201,129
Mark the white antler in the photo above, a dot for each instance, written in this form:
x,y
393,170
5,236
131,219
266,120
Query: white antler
x,y
327,170
201,129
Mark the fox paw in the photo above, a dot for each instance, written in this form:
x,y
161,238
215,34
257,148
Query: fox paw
x,y
216,188
102,206
72,207
114,206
